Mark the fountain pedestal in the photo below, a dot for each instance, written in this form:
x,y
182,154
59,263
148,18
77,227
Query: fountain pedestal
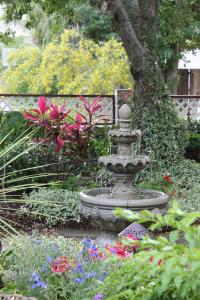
x,y
99,204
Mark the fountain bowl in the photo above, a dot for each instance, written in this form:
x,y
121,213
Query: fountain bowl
x,y
119,164
98,206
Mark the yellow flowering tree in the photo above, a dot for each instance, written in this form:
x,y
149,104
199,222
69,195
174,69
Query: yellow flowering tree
x,y
75,65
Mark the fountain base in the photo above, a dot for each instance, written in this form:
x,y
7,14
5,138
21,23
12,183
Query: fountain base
x,y
98,205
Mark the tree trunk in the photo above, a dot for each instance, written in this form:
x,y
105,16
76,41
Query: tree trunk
x,y
171,75
135,21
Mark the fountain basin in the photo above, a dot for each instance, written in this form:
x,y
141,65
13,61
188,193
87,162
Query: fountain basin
x,y
98,206
119,164
125,136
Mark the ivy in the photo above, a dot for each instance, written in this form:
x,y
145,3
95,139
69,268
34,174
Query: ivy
x,y
165,136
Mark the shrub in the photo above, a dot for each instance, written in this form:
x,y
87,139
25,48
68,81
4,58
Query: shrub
x,y
71,133
163,269
58,268
82,67
55,206
186,181
165,136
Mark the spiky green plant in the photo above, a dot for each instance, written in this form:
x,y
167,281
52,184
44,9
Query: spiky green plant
x,y
9,186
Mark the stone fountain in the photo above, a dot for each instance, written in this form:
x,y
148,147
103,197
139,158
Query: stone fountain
x,y
99,204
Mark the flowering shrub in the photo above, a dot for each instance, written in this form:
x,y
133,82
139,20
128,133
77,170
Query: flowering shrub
x,y
164,268
62,269
63,129
81,67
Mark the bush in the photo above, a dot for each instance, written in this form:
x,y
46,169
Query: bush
x,y
163,269
186,181
55,207
57,268
82,67
194,141
165,136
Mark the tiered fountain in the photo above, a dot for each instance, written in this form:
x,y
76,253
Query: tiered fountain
x,y
99,204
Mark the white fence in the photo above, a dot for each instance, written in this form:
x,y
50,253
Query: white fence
x,y
185,105
20,102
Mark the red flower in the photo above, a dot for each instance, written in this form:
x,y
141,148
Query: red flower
x,y
151,259
167,179
134,246
60,265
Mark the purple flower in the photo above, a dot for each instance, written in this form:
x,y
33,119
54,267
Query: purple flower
x,y
37,281
37,242
49,258
98,297
87,243
79,280
35,276
44,269
56,247
79,269
90,275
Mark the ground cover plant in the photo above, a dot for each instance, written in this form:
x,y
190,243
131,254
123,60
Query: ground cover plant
x,y
66,208
58,268
185,177
153,268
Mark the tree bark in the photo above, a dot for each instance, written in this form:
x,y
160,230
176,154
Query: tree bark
x,y
135,21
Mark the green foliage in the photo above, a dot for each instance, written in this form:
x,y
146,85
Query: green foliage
x,y
11,123
185,177
194,141
94,24
33,255
26,255
177,29
189,200
52,206
167,270
12,184
165,136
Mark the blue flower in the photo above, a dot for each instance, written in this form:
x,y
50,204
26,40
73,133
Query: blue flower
x,y
44,269
87,243
98,297
37,281
79,280
56,247
102,277
79,269
49,258
35,276
38,242
90,275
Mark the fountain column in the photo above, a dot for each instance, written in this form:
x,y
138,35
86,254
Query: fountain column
x,y
99,204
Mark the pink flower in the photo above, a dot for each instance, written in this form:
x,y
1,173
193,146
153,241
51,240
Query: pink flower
x,y
60,265
43,108
60,142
